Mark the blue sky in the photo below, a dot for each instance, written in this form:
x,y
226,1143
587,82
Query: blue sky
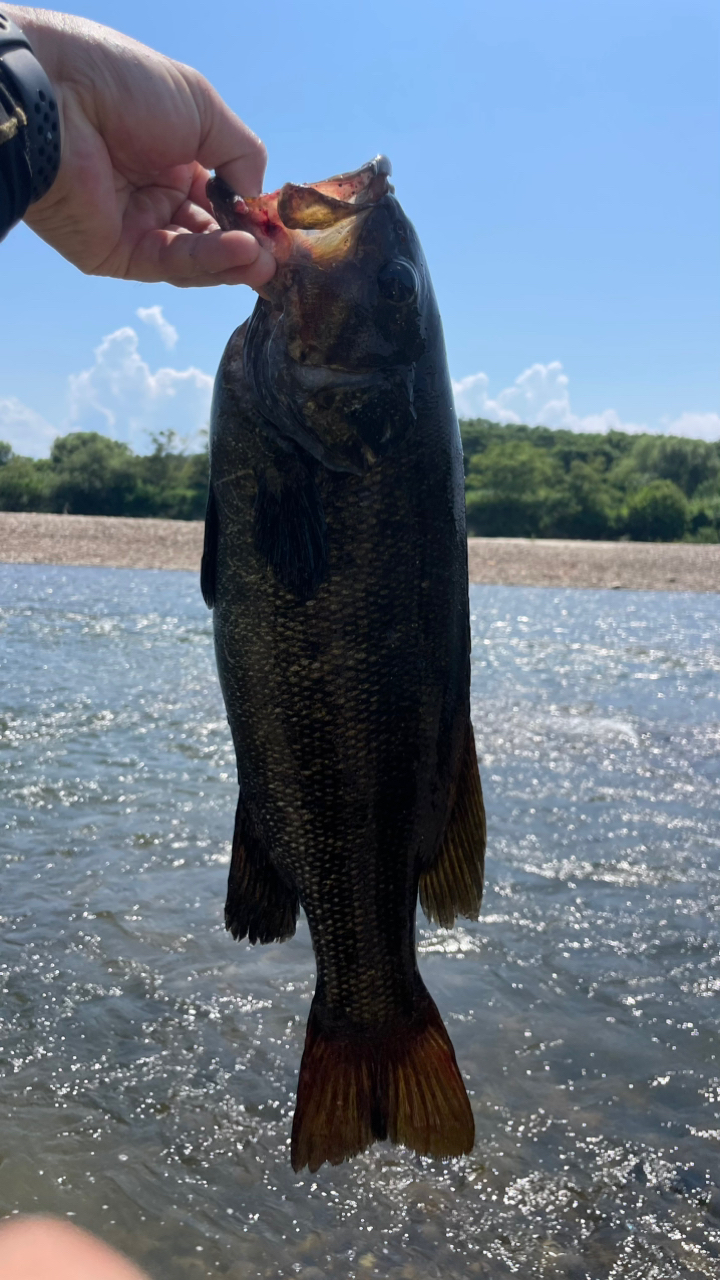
x,y
558,157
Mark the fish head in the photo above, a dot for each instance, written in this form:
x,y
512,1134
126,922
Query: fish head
x,y
335,337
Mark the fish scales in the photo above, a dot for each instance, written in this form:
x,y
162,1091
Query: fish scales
x,y
336,564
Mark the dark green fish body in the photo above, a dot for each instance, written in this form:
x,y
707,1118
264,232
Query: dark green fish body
x,y
336,560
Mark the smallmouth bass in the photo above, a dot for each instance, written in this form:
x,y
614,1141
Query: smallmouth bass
x,y
335,562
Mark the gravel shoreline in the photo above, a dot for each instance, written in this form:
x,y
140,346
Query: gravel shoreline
x,y
117,542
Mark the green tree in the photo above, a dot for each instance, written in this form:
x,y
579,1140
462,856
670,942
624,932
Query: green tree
x,y
25,485
92,475
658,512
690,464
512,492
171,483
704,520
590,507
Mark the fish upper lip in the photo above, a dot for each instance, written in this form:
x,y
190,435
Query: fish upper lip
x,y
364,179
378,165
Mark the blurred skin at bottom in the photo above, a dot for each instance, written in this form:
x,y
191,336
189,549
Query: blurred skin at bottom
x,y
37,1248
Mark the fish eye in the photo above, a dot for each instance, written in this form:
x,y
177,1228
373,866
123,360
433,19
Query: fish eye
x,y
398,282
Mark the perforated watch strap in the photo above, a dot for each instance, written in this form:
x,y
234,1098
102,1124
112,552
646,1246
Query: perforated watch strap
x,y
34,95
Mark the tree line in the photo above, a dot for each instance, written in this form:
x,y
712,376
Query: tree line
x,y
537,482
519,482
91,475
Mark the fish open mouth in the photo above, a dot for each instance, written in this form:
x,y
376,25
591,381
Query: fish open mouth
x,y
316,221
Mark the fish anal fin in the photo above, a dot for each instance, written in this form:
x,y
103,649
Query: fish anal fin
x,y
290,530
208,568
261,905
453,885
356,1090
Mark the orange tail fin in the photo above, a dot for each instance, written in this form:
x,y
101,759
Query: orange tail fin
x,y
354,1091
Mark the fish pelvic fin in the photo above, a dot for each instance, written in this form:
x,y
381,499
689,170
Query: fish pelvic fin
x,y
354,1090
261,905
208,568
453,885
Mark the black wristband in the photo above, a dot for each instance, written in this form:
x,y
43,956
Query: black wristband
x,y
35,96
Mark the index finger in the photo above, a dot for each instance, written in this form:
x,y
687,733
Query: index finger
x,y
227,144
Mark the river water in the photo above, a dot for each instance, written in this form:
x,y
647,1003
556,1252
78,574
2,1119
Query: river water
x,y
148,1063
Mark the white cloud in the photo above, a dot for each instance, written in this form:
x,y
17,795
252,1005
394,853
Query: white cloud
x,y
155,318
471,397
540,397
699,426
120,395
27,431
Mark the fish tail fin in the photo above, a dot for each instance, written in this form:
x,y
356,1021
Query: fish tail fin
x,y
334,1108
355,1090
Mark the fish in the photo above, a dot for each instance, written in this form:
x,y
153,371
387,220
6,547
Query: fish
x,y
335,563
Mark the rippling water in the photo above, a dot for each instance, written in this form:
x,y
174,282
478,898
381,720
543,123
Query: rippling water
x,y
148,1063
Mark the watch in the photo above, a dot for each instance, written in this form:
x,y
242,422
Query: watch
x,y
34,94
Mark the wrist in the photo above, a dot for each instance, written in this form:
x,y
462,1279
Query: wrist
x,y
37,109
47,32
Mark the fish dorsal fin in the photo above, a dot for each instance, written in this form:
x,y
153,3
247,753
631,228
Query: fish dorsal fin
x,y
453,885
208,568
290,529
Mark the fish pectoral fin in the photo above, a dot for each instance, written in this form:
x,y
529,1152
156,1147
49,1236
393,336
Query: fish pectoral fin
x,y
261,905
208,568
359,1089
290,530
453,885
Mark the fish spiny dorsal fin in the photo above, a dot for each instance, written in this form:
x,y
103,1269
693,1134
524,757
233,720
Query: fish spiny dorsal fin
x,y
357,1089
453,885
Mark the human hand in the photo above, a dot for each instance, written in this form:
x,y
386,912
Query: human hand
x,y
140,136
38,1247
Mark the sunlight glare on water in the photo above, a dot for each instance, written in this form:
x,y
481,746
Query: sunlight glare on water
x,y
148,1063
